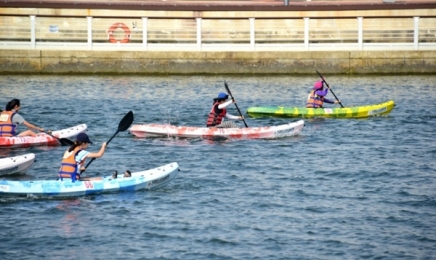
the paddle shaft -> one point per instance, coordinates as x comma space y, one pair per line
122, 126
331, 90
63, 141
230, 93
106, 146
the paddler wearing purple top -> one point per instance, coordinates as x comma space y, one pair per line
317, 98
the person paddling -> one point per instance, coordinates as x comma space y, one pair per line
317, 98
10, 119
219, 111
74, 158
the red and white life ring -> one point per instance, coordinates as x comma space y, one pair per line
115, 26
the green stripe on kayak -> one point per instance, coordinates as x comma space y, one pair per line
346, 112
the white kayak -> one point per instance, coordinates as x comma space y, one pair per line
155, 130
42, 138
148, 179
16, 164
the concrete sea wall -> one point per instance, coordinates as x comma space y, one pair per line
144, 63
331, 21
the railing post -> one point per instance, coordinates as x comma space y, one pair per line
416, 34
89, 19
286, 2
144, 33
306, 33
360, 33
252, 35
32, 32
198, 20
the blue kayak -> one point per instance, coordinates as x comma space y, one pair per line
143, 180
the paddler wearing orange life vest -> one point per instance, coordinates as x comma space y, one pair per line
74, 158
10, 119
317, 98
218, 112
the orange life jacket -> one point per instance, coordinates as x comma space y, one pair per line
215, 118
7, 128
69, 167
314, 101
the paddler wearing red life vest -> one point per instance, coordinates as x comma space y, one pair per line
218, 112
317, 98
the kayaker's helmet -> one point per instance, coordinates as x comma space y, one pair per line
82, 137
222, 96
318, 85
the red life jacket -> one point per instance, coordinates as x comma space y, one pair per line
215, 118
69, 167
7, 128
314, 101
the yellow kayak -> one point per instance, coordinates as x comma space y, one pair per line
346, 112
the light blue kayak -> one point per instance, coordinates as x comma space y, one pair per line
149, 179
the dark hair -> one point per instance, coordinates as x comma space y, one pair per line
76, 143
11, 104
218, 100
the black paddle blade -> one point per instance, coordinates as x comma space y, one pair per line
126, 122
65, 142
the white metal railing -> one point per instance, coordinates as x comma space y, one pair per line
227, 34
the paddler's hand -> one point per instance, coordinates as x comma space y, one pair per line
337, 102
241, 118
103, 147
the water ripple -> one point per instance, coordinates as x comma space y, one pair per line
343, 189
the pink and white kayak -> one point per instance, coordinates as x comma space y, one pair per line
41, 138
167, 130
16, 164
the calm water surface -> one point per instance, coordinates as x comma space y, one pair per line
343, 189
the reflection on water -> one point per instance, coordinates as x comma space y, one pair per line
69, 222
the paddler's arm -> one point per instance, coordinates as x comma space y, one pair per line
225, 104
331, 101
229, 116
99, 153
32, 126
